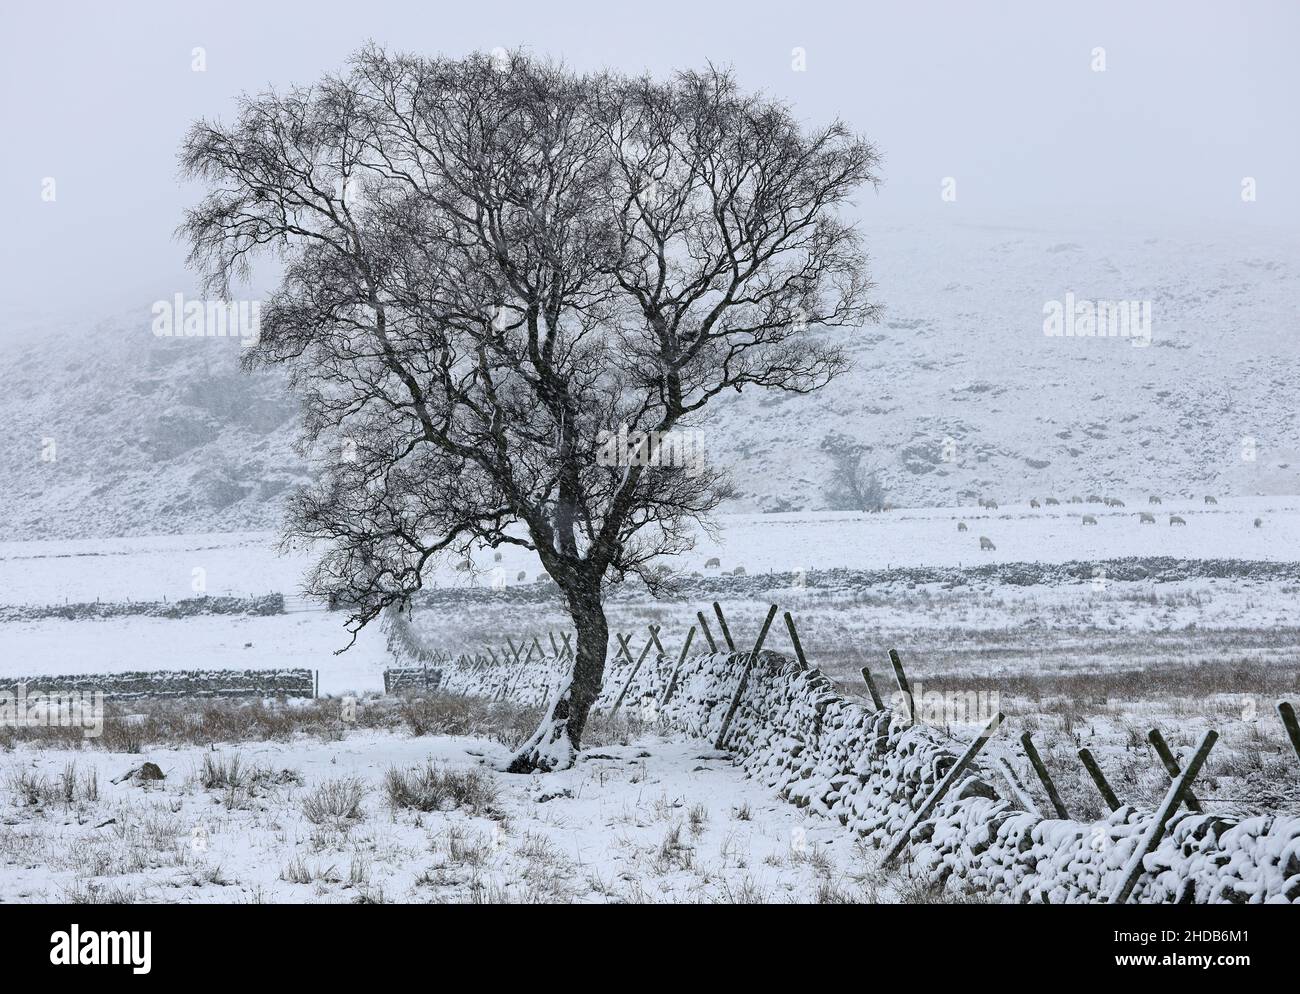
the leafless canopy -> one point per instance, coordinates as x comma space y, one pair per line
490, 263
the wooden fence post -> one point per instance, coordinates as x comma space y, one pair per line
942, 788
1017, 788
568, 647
722, 625
1036, 761
871, 689
794, 638
1170, 764
512, 679
1287, 713
708, 635
672, 677
623, 649
1099, 778
555, 646
904, 687
654, 638
744, 679
630, 677
1151, 840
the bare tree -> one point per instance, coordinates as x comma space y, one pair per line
490, 267
853, 485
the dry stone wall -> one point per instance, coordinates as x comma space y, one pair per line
838, 758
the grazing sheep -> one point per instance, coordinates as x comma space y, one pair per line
1034, 503
1052, 501
1259, 522
986, 544
961, 526
992, 505
1176, 520
464, 566
522, 576
1153, 499
1210, 500
1116, 502
1076, 500
738, 571
1093, 499
1146, 519
496, 557
714, 563
1088, 519
983, 502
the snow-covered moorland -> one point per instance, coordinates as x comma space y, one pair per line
380, 815
1192, 627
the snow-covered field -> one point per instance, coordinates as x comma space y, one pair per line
114, 645
1093, 662
651, 821
154, 567
997, 627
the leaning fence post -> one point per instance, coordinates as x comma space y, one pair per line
871, 689
904, 687
672, 677
708, 635
1287, 713
722, 625
1036, 761
942, 788
1151, 840
630, 677
1099, 778
1017, 788
654, 638
1170, 764
568, 647
555, 646
623, 649
744, 678
794, 637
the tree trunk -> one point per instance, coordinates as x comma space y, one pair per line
555, 744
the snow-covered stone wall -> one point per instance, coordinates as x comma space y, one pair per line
837, 758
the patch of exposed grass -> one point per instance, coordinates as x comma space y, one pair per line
433, 788
334, 802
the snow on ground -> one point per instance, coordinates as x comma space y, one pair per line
147, 569
929, 536
309, 639
1072, 619
155, 567
654, 820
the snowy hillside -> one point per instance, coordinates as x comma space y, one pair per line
961, 354
112, 431
157, 435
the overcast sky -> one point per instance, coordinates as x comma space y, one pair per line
1002, 97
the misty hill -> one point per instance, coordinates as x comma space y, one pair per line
157, 435
961, 354
147, 435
